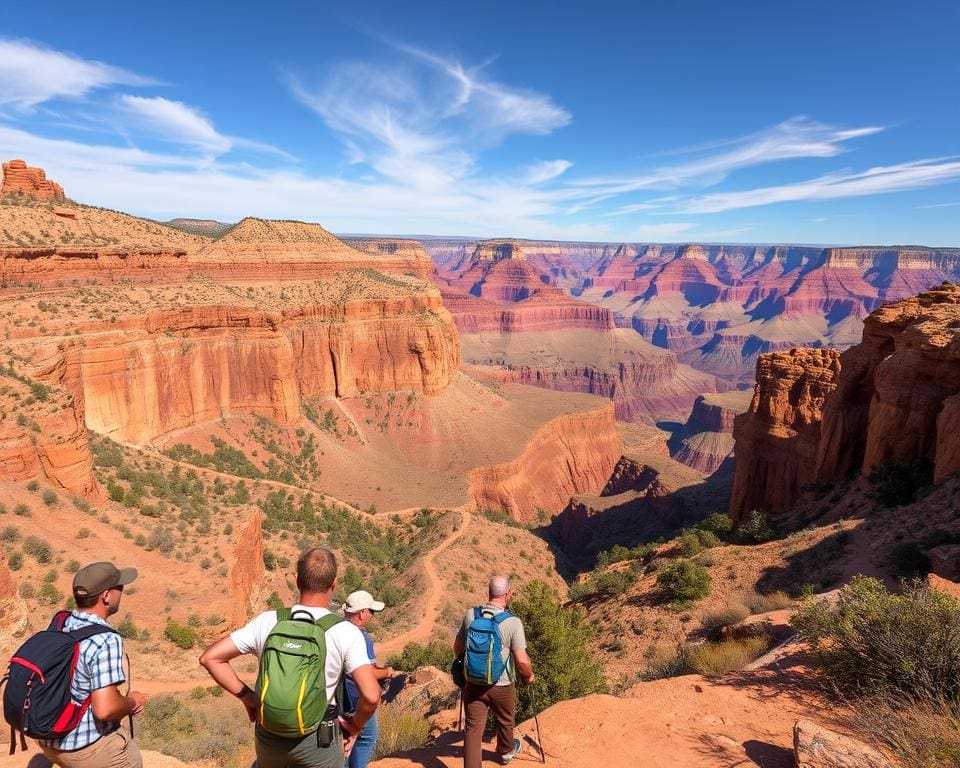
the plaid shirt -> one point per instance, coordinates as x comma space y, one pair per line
100, 664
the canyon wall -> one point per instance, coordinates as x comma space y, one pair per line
246, 571
573, 453
705, 442
818, 416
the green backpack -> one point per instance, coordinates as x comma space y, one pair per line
291, 683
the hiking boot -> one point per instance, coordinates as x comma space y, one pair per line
506, 758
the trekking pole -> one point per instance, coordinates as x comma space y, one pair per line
460, 712
129, 686
536, 720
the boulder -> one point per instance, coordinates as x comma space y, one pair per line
817, 747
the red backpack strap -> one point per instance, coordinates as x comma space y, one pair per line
58, 620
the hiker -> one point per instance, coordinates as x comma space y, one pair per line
99, 740
359, 609
497, 690
304, 653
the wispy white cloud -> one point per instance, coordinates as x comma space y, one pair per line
940, 205
875, 181
31, 74
538, 173
423, 122
177, 122
796, 138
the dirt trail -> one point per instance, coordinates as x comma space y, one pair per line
420, 633
424, 629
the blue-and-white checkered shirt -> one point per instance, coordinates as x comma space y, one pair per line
100, 664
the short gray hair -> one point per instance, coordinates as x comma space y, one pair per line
499, 586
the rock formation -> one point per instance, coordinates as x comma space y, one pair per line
778, 438
574, 453
817, 747
705, 442
20, 179
818, 416
246, 572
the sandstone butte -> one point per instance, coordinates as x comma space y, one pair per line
31, 182
819, 415
717, 307
705, 442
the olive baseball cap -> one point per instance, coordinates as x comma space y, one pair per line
98, 577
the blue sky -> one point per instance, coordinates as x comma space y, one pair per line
815, 122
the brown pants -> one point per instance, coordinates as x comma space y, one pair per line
115, 750
502, 699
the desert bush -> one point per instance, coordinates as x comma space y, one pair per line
180, 635
714, 621
755, 528
689, 544
717, 523
50, 595
400, 729
873, 641
893, 484
38, 549
33, 485
605, 584
909, 560
619, 553
775, 601
128, 629
9, 534
437, 654
684, 581
49, 497
15, 561
211, 729
726, 655
923, 734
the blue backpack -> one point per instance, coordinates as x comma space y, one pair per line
483, 660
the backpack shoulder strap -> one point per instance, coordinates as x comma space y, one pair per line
58, 620
327, 622
501, 617
91, 630
284, 614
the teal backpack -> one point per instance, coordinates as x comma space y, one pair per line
483, 661
291, 682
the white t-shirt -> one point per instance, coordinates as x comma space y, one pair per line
346, 649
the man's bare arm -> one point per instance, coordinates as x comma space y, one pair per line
216, 660
109, 704
521, 660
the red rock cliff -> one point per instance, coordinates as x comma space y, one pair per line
574, 453
18, 178
777, 439
818, 416
246, 572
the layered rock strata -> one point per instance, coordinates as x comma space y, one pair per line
818, 416
574, 453
19, 178
705, 442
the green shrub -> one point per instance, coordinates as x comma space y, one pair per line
33, 485
604, 584
50, 595
400, 729
874, 641
180, 635
909, 560
893, 484
689, 544
437, 654
128, 629
718, 524
49, 497
755, 528
9, 534
116, 492
775, 601
558, 643
209, 730
15, 561
22, 510
684, 581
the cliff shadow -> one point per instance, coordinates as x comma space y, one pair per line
820, 565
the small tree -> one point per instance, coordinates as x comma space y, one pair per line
557, 640
684, 581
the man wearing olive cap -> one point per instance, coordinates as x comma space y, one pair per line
359, 609
98, 741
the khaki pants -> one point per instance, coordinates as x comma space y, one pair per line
502, 699
115, 750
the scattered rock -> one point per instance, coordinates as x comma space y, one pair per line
945, 561
816, 747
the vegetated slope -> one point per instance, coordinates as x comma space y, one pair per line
719, 306
885, 405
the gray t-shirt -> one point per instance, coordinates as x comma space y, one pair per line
512, 638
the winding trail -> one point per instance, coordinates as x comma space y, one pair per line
421, 633
424, 628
